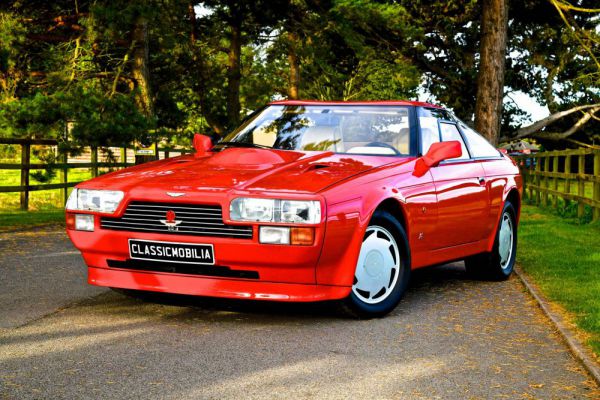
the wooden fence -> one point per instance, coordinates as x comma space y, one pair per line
63, 165
568, 174
547, 176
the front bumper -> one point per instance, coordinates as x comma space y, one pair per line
323, 271
214, 287
285, 273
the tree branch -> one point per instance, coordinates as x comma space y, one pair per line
542, 123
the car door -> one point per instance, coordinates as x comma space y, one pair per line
461, 190
494, 166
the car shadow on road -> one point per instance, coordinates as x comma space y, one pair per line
434, 279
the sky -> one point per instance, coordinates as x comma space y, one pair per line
527, 103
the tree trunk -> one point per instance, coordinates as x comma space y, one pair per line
490, 81
294, 61
140, 70
141, 75
234, 73
193, 25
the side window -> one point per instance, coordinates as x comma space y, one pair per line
430, 131
449, 132
480, 148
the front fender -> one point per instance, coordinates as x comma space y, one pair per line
350, 209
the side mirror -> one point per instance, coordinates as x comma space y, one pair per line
202, 144
437, 153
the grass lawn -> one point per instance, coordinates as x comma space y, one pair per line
16, 219
563, 258
38, 200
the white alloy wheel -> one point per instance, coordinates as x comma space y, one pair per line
505, 241
378, 266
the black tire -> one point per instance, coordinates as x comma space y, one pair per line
353, 306
488, 266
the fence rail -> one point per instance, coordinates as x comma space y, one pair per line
25, 166
552, 175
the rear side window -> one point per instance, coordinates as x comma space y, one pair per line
450, 132
480, 148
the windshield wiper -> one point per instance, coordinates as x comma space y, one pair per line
243, 144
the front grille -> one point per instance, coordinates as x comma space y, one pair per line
197, 220
183, 268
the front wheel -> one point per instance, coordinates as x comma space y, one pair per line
382, 271
500, 262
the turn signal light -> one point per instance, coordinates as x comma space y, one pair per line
302, 236
70, 220
80, 222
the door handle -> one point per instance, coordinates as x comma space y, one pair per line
481, 180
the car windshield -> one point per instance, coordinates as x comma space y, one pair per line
376, 130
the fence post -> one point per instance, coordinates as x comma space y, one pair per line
124, 155
538, 180
64, 177
596, 215
567, 180
25, 161
555, 186
523, 171
546, 181
530, 177
581, 184
94, 158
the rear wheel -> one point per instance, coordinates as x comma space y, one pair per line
500, 262
382, 271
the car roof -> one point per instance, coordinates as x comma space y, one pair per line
354, 103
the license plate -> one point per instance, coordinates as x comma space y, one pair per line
171, 252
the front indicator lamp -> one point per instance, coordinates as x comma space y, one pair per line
286, 235
80, 222
302, 236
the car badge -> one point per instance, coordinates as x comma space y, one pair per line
170, 221
175, 194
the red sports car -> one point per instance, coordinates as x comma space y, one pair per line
306, 201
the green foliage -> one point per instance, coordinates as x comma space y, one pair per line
12, 36
100, 120
76, 61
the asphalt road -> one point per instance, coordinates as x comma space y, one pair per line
451, 338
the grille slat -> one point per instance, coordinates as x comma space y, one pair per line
197, 220
155, 211
160, 211
191, 220
175, 207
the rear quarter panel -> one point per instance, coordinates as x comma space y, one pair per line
502, 177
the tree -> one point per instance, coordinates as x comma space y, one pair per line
158, 67
545, 61
490, 80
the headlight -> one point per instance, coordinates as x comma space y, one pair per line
105, 201
275, 210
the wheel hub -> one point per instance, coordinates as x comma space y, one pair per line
505, 241
374, 263
378, 266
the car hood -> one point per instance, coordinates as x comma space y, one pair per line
243, 169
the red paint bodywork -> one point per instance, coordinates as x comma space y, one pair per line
448, 212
